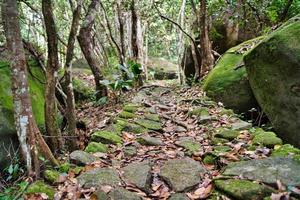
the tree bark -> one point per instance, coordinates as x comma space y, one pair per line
121, 29
28, 133
51, 77
134, 36
206, 49
85, 42
70, 106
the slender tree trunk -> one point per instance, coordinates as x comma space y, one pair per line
121, 29
70, 106
29, 135
51, 77
134, 39
206, 49
85, 42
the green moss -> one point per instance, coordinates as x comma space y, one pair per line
228, 134
152, 125
218, 141
228, 82
286, 150
190, 146
221, 149
243, 189
64, 168
82, 91
94, 147
135, 128
131, 108
51, 175
199, 112
153, 117
77, 170
106, 137
268, 139
127, 115
227, 112
209, 159
41, 187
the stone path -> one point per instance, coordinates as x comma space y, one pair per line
177, 144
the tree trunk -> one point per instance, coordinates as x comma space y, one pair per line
121, 29
51, 77
206, 49
70, 106
134, 36
28, 134
85, 42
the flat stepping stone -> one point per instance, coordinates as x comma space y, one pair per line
228, 134
268, 139
190, 145
152, 117
178, 196
182, 174
94, 147
268, 170
131, 108
149, 124
130, 151
106, 137
99, 177
149, 141
82, 158
241, 125
123, 194
127, 115
243, 189
139, 174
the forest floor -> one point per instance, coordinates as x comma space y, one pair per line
171, 142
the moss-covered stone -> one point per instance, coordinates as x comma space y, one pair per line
286, 150
149, 141
209, 159
82, 91
51, 175
130, 151
152, 125
135, 128
221, 149
131, 107
218, 141
79, 157
199, 112
228, 112
268, 139
94, 147
243, 189
106, 137
153, 117
127, 115
190, 146
40, 187
273, 69
228, 81
227, 134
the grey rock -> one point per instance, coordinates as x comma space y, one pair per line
182, 174
130, 151
178, 196
123, 194
268, 170
99, 177
82, 157
139, 174
149, 141
241, 125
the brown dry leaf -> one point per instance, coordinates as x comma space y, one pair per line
232, 157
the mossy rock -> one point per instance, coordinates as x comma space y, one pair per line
106, 137
273, 69
228, 112
130, 151
51, 175
39, 187
199, 112
135, 128
218, 141
190, 146
227, 134
149, 141
243, 189
149, 124
131, 108
82, 92
268, 139
221, 149
228, 81
286, 150
36, 80
64, 168
209, 159
153, 117
94, 147
127, 115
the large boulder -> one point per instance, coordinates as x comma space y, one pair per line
274, 70
8, 136
228, 81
